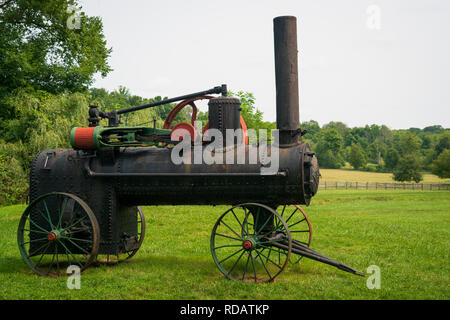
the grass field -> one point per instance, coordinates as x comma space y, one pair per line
405, 233
347, 175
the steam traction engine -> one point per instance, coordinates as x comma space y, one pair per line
85, 200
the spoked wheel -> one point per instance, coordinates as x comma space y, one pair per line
300, 227
241, 243
140, 235
58, 230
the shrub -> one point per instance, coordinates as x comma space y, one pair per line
441, 166
13, 180
408, 169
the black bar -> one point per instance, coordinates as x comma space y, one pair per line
176, 174
220, 89
286, 79
311, 254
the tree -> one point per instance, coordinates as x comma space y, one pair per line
407, 143
357, 158
329, 149
253, 117
441, 166
373, 153
385, 135
444, 143
434, 129
391, 159
339, 126
408, 169
312, 129
426, 142
39, 50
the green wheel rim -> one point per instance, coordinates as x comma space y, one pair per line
299, 226
241, 243
120, 257
55, 231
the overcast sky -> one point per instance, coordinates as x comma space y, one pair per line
361, 62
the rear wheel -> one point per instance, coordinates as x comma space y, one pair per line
55, 231
300, 227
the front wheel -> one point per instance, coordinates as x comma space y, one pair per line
242, 243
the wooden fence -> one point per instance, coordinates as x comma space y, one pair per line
383, 186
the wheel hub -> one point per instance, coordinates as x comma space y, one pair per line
53, 235
247, 245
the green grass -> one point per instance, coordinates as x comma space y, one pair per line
405, 233
348, 175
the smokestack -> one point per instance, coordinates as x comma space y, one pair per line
286, 78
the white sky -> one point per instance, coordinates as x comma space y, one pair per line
398, 75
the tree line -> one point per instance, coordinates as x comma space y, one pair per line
405, 153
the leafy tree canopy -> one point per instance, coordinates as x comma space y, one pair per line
42, 48
444, 142
357, 158
391, 158
441, 166
408, 169
329, 147
407, 142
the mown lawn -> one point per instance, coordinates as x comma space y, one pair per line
405, 233
347, 175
